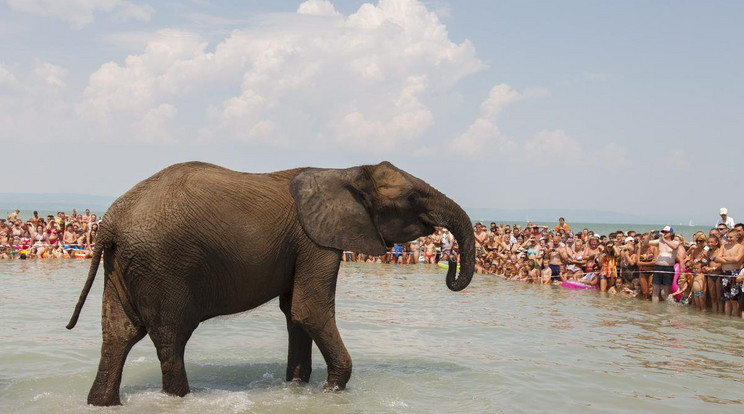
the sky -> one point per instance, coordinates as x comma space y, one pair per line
635, 107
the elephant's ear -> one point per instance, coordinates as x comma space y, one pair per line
334, 209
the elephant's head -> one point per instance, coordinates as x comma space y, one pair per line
369, 208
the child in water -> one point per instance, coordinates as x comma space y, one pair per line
684, 288
698, 285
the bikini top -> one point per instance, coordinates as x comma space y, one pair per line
646, 257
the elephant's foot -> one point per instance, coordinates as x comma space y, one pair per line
102, 397
337, 379
176, 388
332, 387
299, 373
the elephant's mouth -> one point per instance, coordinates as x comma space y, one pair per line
428, 226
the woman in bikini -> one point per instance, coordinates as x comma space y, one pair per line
52, 238
576, 261
712, 270
697, 252
492, 244
646, 260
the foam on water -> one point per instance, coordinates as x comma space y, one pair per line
417, 347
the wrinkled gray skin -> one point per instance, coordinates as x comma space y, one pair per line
196, 241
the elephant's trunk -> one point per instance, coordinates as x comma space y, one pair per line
458, 223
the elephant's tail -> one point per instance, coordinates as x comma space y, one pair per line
95, 261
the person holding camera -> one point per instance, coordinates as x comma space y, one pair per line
629, 260
663, 270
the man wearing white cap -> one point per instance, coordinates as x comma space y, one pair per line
725, 218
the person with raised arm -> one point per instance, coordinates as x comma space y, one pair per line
663, 271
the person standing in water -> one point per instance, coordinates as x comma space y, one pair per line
663, 271
731, 257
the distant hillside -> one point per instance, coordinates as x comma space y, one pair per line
54, 202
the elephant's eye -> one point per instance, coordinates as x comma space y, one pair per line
413, 198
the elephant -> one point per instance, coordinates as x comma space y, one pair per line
165, 271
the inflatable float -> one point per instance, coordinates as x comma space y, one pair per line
675, 285
572, 284
445, 264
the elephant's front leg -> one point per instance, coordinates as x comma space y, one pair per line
313, 307
299, 355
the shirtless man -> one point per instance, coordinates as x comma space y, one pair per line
731, 257
437, 239
592, 250
740, 228
35, 219
556, 256
13, 216
480, 239
81, 237
664, 265
69, 238
430, 251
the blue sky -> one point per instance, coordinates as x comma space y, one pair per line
631, 106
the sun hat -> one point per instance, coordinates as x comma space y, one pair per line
667, 229
629, 239
723, 210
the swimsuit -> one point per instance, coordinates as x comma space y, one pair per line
646, 257
629, 273
555, 270
730, 288
663, 275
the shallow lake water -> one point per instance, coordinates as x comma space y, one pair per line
497, 346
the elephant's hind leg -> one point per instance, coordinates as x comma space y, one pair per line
170, 343
299, 358
119, 336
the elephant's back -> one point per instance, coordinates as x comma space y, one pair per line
197, 205
197, 187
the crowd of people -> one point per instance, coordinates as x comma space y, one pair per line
707, 272
60, 236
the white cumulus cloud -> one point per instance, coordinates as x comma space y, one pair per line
317, 8
483, 135
297, 79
